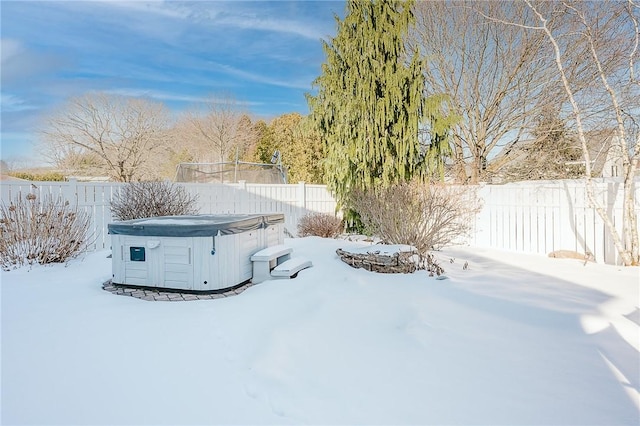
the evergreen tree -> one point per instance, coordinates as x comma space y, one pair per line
306, 154
554, 152
299, 145
369, 102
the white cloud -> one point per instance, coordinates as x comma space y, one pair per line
154, 94
259, 78
228, 14
12, 103
167, 96
280, 25
159, 8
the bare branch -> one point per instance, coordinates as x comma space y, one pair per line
151, 199
602, 33
630, 6
495, 76
217, 131
102, 134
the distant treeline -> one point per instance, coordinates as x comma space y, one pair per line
41, 177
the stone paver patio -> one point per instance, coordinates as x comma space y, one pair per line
169, 296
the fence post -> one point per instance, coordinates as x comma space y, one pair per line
302, 195
242, 198
71, 191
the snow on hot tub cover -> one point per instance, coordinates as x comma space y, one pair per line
195, 226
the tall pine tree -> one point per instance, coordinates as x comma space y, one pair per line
369, 102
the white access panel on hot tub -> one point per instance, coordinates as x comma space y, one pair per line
168, 262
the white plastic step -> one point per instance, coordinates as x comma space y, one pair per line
267, 259
291, 267
271, 253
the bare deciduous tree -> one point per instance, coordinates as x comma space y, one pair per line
113, 135
216, 132
494, 75
598, 39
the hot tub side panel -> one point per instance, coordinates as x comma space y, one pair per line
272, 235
231, 263
179, 260
165, 262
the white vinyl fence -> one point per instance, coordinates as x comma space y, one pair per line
531, 217
544, 216
295, 201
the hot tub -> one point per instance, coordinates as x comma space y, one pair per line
198, 253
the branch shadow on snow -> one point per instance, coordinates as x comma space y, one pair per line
548, 302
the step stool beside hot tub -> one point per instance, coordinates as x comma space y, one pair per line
196, 253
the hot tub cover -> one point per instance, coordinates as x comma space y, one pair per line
195, 226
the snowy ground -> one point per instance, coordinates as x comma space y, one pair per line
514, 339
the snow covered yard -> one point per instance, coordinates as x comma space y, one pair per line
514, 339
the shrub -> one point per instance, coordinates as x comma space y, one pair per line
425, 216
41, 177
47, 231
150, 199
320, 225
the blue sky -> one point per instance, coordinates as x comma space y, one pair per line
264, 53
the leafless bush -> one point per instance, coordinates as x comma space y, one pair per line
425, 216
151, 199
47, 231
321, 225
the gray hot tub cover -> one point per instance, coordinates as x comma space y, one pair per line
195, 226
